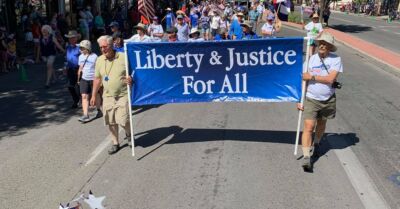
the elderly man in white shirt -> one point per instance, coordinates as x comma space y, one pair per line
140, 36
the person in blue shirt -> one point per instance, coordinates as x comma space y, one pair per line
235, 31
118, 42
194, 19
247, 32
169, 19
72, 66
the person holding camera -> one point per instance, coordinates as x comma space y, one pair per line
320, 102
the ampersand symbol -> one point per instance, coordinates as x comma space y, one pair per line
214, 60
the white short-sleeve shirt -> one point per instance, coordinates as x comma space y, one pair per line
321, 91
268, 28
313, 29
89, 66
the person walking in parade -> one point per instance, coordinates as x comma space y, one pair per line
87, 61
111, 73
72, 66
48, 44
183, 29
141, 34
320, 102
268, 29
314, 30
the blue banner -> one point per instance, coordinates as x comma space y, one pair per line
265, 70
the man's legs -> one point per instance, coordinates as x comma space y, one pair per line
306, 141
114, 134
319, 130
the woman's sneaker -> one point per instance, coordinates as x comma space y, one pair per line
84, 119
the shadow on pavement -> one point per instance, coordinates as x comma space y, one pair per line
28, 105
351, 28
154, 136
335, 141
139, 109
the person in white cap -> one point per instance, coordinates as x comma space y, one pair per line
314, 30
169, 19
87, 61
156, 30
140, 36
269, 29
183, 29
195, 35
324, 68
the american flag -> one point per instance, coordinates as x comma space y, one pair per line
146, 8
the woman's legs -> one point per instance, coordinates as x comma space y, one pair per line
85, 104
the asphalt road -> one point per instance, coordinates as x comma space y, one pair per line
204, 155
377, 31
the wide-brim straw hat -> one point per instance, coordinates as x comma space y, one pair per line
193, 31
72, 34
328, 38
86, 45
245, 24
140, 26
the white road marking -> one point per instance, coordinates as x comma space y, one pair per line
361, 181
100, 148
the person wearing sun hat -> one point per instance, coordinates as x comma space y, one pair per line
169, 19
324, 68
72, 65
314, 29
87, 61
141, 34
247, 32
195, 35
183, 28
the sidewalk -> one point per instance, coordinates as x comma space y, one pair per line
376, 52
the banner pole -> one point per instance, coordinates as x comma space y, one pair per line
129, 101
303, 95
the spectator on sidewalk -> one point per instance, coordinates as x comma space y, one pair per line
111, 73
48, 45
118, 42
215, 24
36, 37
87, 61
114, 27
169, 19
268, 30
314, 30
195, 35
253, 17
205, 25
247, 32
183, 29
99, 25
72, 66
172, 34
11, 52
326, 14
155, 30
320, 103
3, 50
141, 34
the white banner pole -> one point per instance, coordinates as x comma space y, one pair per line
129, 101
303, 95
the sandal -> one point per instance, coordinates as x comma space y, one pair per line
114, 149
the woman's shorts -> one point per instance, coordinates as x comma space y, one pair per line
205, 30
314, 109
85, 86
49, 59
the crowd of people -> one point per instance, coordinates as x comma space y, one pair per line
100, 81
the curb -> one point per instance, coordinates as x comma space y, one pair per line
382, 55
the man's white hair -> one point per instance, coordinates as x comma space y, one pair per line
48, 29
106, 38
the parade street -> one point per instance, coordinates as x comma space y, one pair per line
369, 28
206, 155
